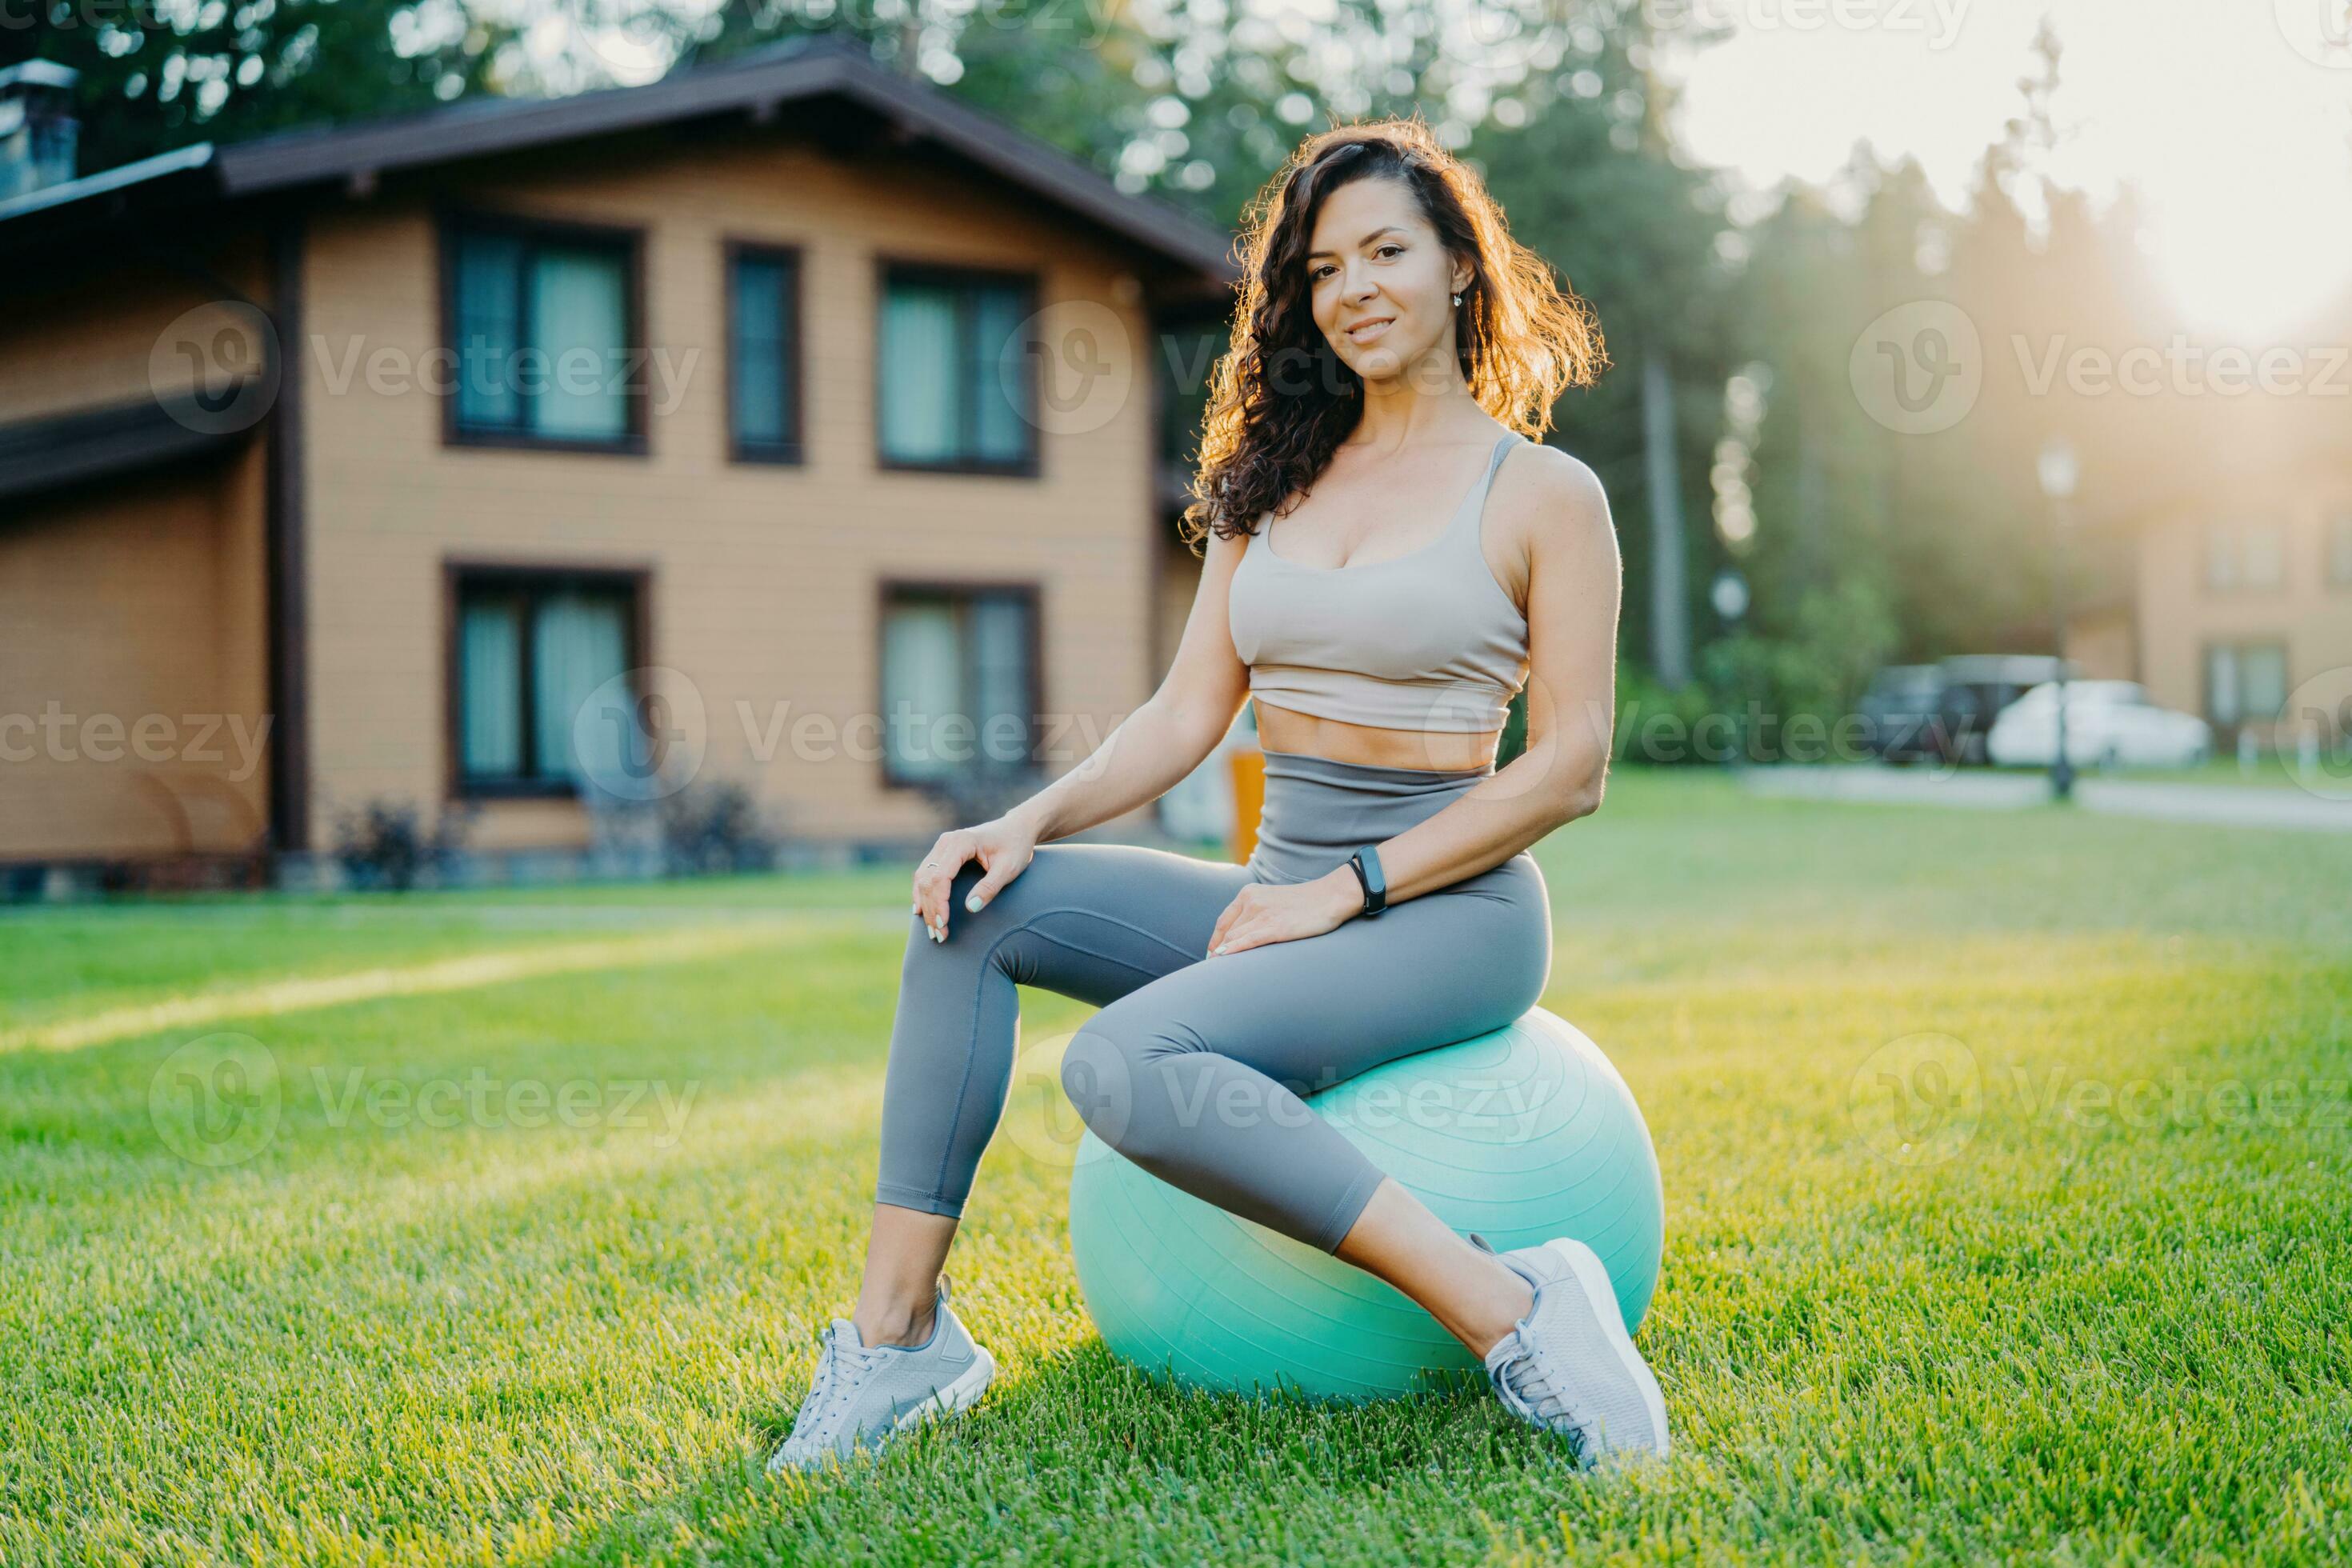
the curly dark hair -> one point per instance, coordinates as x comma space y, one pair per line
1522, 338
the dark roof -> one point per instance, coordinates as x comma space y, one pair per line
810, 70
38, 455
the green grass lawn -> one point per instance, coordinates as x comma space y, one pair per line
383, 1306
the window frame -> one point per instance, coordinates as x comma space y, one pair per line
2240, 584
1028, 284
450, 224
888, 589
793, 451
2211, 529
534, 580
2207, 647
2334, 521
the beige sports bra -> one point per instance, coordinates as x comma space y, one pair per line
1428, 641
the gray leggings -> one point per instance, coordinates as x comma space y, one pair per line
1195, 1066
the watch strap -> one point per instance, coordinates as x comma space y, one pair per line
1366, 863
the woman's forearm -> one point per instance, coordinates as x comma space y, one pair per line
1153, 749
1545, 786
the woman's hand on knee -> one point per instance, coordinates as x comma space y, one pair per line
1264, 913
1002, 848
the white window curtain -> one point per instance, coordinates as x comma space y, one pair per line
2262, 680
2222, 685
922, 685
2266, 554
2221, 556
580, 322
1000, 639
918, 374
490, 329
490, 689
1001, 375
580, 642
761, 415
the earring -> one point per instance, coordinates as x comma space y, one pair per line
1457, 299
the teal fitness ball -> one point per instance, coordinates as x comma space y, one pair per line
1520, 1135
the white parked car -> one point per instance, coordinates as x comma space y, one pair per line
2109, 723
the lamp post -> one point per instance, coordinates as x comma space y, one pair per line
2056, 470
1728, 594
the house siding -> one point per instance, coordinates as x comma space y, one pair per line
138, 602
2181, 616
762, 580
132, 599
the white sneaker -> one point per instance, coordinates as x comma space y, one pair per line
862, 1395
1569, 1366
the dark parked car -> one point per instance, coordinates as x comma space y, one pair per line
1899, 713
1976, 687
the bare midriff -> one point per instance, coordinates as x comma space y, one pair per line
1281, 729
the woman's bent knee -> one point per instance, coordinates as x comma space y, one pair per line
973, 936
1146, 1094
1123, 1087
1045, 884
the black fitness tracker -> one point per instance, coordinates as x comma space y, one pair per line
1366, 863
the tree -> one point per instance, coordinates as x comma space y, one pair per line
1590, 180
155, 79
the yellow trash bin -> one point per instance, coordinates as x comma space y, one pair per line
1249, 799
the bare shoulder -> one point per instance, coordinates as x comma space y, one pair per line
1556, 505
1560, 493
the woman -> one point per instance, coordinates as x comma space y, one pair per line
1388, 562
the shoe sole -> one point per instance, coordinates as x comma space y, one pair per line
1593, 1276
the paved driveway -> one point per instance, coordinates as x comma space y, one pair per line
2249, 806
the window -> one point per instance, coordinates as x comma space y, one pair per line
763, 379
528, 648
2263, 555
2245, 555
2244, 682
956, 385
2220, 558
2339, 550
543, 322
959, 680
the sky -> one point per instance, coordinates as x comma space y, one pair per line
2233, 117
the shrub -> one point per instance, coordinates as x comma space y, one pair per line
976, 795
383, 845
715, 826
1750, 686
